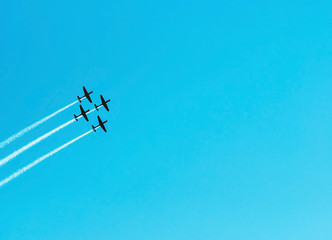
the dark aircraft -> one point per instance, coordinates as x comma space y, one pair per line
83, 113
86, 95
103, 103
101, 124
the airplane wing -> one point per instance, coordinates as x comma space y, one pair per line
101, 123
99, 120
106, 107
83, 113
85, 91
85, 116
87, 94
104, 102
89, 98
103, 127
81, 109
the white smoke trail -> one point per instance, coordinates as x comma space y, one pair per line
27, 129
34, 142
91, 111
26, 168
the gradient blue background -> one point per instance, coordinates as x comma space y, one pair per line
220, 122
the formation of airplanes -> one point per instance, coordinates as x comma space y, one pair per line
83, 113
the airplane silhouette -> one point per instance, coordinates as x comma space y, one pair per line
103, 103
101, 124
86, 95
83, 113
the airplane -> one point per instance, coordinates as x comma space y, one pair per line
101, 124
83, 113
86, 95
103, 103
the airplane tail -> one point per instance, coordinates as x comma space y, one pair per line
79, 99
96, 107
75, 117
94, 128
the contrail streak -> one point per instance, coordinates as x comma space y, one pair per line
27, 129
27, 167
34, 142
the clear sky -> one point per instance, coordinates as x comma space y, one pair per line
220, 124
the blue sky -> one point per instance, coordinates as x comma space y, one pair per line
220, 124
